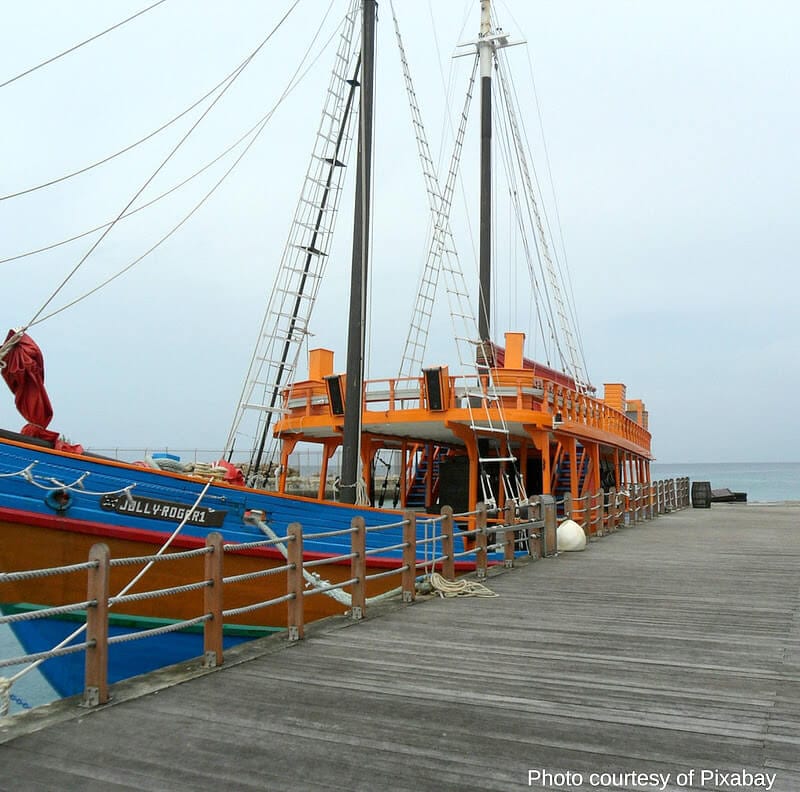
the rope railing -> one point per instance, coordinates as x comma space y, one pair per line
371, 528
33, 574
257, 606
134, 560
30, 658
156, 593
163, 630
603, 512
528, 528
46, 613
327, 534
233, 547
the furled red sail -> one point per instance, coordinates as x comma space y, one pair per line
24, 374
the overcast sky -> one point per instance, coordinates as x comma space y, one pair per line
672, 131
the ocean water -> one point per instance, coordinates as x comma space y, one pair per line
764, 482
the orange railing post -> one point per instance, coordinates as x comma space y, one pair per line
96, 681
294, 582
212, 602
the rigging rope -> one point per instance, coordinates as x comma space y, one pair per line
169, 156
81, 44
127, 148
291, 85
264, 118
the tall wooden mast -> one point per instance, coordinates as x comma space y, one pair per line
358, 278
486, 51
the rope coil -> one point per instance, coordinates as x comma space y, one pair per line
459, 588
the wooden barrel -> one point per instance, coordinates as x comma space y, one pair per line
701, 494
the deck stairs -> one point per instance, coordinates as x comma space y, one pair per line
561, 476
415, 494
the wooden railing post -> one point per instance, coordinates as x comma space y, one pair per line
549, 533
600, 511
212, 602
637, 494
480, 542
409, 555
612, 510
535, 513
294, 582
509, 535
448, 543
358, 568
569, 507
96, 683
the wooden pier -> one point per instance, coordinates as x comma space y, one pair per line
670, 647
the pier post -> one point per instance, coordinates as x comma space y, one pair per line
549, 533
509, 535
448, 543
535, 513
358, 569
96, 681
600, 503
409, 555
568, 506
600, 511
480, 541
294, 582
212, 602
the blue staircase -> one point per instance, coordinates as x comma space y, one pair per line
415, 498
562, 479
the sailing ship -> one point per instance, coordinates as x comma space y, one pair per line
500, 427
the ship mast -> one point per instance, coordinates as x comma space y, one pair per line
351, 440
486, 52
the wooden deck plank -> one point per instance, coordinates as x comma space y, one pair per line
667, 646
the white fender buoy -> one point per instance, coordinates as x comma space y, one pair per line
570, 536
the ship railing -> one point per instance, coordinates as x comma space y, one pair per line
513, 390
584, 409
